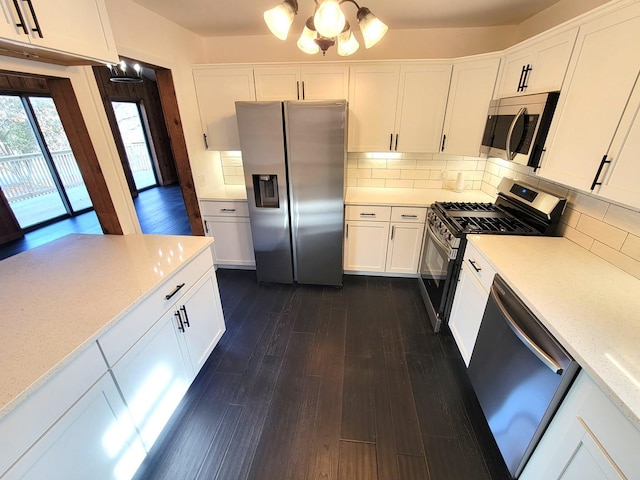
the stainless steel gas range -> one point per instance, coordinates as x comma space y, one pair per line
519, 209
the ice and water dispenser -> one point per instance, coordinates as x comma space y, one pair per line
266, 191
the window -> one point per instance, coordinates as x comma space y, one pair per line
39, 174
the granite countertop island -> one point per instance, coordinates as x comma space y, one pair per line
60, 297
589, 305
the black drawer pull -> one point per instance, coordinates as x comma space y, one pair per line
174, 291
367, 214
186, 317
475, 265
227, 209
180, 324
409, 216
22, 23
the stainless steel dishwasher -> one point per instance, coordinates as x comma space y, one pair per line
520, 374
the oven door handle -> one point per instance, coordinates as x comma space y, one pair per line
511, 155
523, 337
439, 242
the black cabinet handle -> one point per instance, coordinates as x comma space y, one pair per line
22, 23
444, 141
206, 144
475, 265
206, 228
180, 324
397, 135
524, 76
298, 90
603, 162
393, 231
521, 81
303, 95
390, 140
346, 233
186, 317
227, 209
35, 18
173, 292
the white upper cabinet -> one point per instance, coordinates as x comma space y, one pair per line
470, 92
538, 66
60, 30
301, 83
397, 108
218, 89
597, 112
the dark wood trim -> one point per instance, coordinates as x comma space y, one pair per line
61, 90
179, 148
9, 227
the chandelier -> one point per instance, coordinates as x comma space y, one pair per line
326, 27
121, 73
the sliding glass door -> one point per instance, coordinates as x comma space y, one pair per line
38, 172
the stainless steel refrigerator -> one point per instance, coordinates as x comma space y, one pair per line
294, 158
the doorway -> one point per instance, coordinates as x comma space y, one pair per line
39, 175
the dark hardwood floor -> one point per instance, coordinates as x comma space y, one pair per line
325, 383
160, 210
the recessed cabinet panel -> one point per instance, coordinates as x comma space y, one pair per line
403, 251
95, 439
218, 90
277, 84
324, 83
233, 242
366, 246
600, 80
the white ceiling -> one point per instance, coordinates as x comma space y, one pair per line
244, 17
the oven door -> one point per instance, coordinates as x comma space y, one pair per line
437, 268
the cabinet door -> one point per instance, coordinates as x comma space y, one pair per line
547, 58
601, 75
233, 243
279, 83
422, 101
373, 95
620, 180
324, 83
470, 93
153, 378
77, 26
8, 21
405, 244
200, 311
94, 439
467, 311
366, 246
217, 91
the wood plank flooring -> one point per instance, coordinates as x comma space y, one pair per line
323, 383
160, 210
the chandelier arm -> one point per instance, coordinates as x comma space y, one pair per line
350, 1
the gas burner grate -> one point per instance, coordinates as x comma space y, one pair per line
467, 206
493, 225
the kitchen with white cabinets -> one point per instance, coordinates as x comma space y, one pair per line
406, 150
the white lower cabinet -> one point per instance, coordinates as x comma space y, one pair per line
470, 300
383, 239
589, 438
94, 439
228, 223
153, 377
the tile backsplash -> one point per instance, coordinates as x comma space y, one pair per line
606, 229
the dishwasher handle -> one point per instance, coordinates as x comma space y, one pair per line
522, 336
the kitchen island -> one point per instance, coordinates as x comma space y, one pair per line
84, 305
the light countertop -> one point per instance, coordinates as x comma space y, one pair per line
415, 197
60, 297
225, 193
589, 305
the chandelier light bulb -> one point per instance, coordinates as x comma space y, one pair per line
371, 27
347, 43
329, 19
307, 42
280, 18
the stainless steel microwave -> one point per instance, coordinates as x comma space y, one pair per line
517, 127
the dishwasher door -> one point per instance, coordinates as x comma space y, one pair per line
519, 373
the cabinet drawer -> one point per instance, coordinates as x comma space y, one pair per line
224, 209
368, 213
408, 214
121, 337
40, 410
479, 267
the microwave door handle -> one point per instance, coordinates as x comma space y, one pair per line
511, 155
